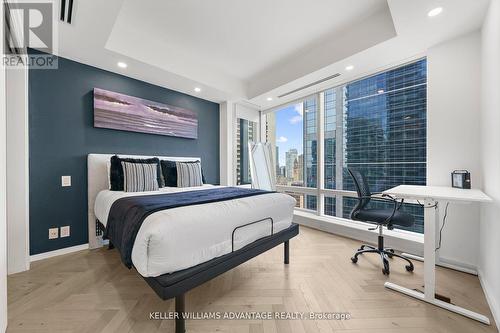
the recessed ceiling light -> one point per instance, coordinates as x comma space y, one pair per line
269, 99
349, 68
435, 12
121, 64
197, 89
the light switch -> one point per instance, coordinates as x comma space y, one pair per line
65, 181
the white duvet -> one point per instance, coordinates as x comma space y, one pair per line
179, 238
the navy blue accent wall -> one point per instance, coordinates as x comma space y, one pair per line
61, 134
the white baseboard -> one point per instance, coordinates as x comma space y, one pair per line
490, 298
458, 265
399, 240
59, 252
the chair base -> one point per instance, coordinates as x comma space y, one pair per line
385, 255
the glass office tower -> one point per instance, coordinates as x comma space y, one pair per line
376, 125
384, 134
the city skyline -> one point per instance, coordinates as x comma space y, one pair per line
289, 130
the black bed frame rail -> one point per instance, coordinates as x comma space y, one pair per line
177, 284
204, 272
254, 222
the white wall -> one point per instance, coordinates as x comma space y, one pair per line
17, 169
226, 120
246, 112
3, 209
453, 137
489, 267
3, 197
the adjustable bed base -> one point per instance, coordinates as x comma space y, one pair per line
177, 284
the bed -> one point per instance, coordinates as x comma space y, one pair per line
170, 249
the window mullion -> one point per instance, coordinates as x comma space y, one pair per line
339, 148
320, 130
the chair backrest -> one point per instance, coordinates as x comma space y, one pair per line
362, 188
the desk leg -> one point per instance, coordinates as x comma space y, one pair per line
431, 217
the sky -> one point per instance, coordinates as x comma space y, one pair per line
289, 130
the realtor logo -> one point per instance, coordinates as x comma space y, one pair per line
28, 26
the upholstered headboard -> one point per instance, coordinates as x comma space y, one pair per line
97, 175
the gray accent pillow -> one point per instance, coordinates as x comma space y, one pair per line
139, 177
189, 174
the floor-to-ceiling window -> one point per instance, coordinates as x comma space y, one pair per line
376, 125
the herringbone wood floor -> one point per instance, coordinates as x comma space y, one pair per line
91, 291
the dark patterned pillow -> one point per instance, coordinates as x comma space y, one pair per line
140, 177
169, 170
189, 174
116, 170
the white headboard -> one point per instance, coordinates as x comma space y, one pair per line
97, 177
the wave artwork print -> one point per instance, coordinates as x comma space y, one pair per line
127, 113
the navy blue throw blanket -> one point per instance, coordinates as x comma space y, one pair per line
127, 214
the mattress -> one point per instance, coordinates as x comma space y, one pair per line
175, 239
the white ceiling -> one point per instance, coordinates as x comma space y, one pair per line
237, 38
250, 50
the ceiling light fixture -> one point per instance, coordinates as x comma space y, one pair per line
435, 12
121, 64
197, 89
269, 99
349, 68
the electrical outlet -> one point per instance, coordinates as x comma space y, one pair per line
53, 233
65, 231
65, 181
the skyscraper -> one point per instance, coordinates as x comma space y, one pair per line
376, 125
310, 159
277, 160
291, 156
299, 174
245, 133
385, 131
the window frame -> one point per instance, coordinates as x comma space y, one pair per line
243, 164
320, 191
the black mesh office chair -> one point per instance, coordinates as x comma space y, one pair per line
382, 217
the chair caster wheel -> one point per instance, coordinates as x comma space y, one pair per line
409, 268
354, 260
389, 255
385, 271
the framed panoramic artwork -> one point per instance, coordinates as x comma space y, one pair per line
127, 113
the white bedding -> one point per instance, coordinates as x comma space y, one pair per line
179, 238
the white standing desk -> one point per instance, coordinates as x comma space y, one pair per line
431, 197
